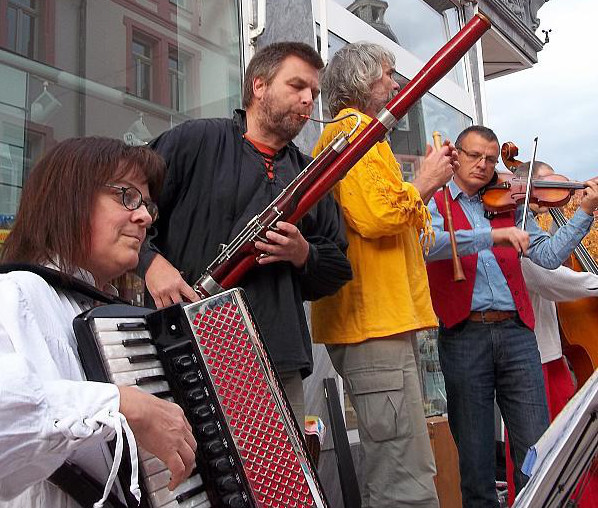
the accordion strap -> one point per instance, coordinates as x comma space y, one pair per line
84, 489
60, 280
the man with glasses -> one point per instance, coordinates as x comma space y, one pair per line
486, 341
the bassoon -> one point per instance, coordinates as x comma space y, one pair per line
331, 165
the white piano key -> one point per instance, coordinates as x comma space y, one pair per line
153, 465
120, 351
111, 324
130, 378
119, 365
157, 388
199, 501
157, 477
118, 336
158, 481
104, 325
144, 455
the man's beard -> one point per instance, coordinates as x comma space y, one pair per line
377, 102
284, 123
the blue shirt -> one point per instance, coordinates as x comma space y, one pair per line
490, 290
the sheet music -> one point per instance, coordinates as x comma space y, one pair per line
551, 454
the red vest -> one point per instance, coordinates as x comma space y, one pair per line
452, 300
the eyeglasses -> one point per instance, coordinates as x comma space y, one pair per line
132, 199
476, 157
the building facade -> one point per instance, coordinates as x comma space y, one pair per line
132, 68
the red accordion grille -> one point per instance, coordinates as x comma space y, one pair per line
271, 466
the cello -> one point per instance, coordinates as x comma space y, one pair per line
578, 320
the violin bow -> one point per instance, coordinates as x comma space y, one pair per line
529, 184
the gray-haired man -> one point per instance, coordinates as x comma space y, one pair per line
369, 325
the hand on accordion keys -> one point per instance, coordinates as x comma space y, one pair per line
160, 428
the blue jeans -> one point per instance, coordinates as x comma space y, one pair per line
480, 361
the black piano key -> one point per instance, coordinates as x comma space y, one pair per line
149, 379
149, 357
131, 327
163, 395
183, 496
138, 341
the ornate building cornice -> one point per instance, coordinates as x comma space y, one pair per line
519, 18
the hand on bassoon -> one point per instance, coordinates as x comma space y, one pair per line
284, 244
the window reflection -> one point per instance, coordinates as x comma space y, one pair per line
177, 80
116, 69
119, 68
21, 20
412, 24
142, 62
409, 138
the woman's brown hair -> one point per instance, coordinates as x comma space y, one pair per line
54, 218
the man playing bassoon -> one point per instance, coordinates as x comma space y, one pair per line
223, 172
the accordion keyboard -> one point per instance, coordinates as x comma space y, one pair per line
132, 360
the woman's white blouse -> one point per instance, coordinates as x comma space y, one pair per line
48, 412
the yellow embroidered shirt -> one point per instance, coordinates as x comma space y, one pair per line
384, 215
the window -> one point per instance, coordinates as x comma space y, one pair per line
142, 63
413, 24
176, 80
102, 67
22, 18
411, 135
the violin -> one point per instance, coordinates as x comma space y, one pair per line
506, 191
578, 320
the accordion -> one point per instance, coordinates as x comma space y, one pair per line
207, 357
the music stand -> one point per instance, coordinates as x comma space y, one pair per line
564, 453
